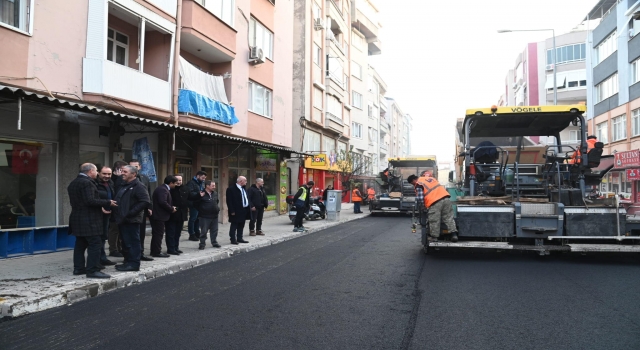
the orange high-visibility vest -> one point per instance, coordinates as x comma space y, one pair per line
433, 191
576, 158
355, 196
371, 193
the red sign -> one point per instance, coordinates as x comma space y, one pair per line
633, 174
627, 159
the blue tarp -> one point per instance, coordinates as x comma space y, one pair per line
193, 103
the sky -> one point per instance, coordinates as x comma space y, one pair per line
440, 58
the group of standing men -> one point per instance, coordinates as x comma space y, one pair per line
113, 205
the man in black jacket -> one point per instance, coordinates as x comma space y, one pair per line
179, 197
85, 221
196, 187
147, 213
163, 208
238, 206
208, 210
301, 202
115, 241
105, 190
134, 201
258, 202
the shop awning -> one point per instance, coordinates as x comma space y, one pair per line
560, 78
13, 92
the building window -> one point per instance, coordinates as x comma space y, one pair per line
317, 12
317, 98
573, 136
567, 54
335, 70
223, 9
329, 145
317, 55
635, 117
606, 47
619, 124
607, 88
357, 99
373, 136
259, 99
261, 37
16, 14
635, 71
311, 141
334, 106
369, 110
356, 70
357, 41
356, 130
602, 132
117, 47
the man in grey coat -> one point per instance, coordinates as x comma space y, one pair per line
85, 221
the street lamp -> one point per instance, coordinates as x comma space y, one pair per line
554, 57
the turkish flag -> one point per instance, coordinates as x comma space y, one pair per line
24, 159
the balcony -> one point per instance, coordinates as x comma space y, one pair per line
204, 34
384, 128
128, 55
384, 149
368, 26
333, 123
112, 79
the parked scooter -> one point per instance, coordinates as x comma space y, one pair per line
316, 210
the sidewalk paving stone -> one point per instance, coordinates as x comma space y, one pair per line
35, 283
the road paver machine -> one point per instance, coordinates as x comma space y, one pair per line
533, 197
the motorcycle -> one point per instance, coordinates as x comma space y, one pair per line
315, 210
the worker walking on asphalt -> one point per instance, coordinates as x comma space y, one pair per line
435, 198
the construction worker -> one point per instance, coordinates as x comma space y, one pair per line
591, 143
371, 194
435, 198
356, 198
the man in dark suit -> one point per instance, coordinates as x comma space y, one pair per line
147, 213
258, 202
115, 240
133, 201
85, 221
238, 206
160, 219
106, 191
179, 197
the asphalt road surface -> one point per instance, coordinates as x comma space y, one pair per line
361, 285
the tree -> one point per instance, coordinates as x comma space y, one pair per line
350, 165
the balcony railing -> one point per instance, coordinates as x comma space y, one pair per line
108, 78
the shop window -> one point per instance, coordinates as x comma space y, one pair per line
239, 165
29, 182
267, 169
209, 163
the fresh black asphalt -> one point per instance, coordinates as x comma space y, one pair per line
362, 285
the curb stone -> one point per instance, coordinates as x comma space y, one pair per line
70, 293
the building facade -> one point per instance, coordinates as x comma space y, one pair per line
531, 82
172, 83
613, 59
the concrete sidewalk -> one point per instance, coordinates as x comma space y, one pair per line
38, 282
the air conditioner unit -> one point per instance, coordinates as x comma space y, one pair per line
256, 55
549, 67
318, 24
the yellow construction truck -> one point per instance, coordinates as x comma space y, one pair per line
396, 195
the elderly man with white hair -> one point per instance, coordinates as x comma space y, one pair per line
238, 206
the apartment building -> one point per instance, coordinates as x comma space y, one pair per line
613, 58
531, 82
181, 85
613, 75
400, 125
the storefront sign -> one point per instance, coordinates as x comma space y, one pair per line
627, 159
633, 174
321, 161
